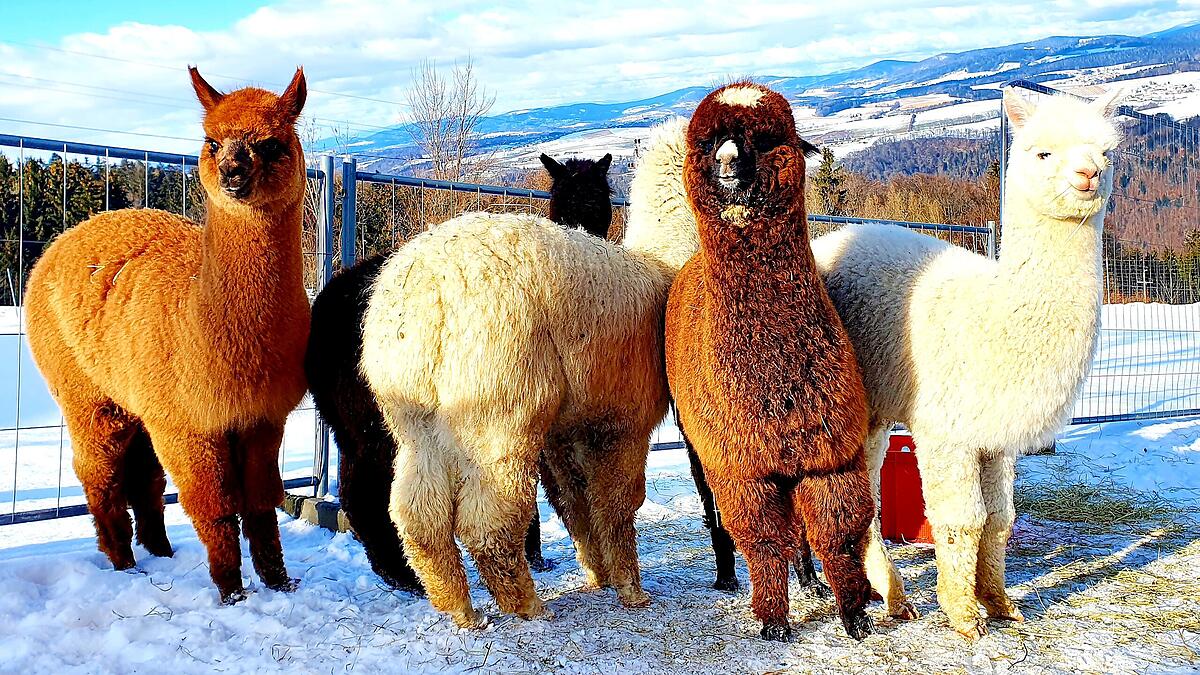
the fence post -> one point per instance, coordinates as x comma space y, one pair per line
324, 272
349, 210
1003, 157
991, 241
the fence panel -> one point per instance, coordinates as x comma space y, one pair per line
47, 186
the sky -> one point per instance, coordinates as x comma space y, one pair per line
113, 72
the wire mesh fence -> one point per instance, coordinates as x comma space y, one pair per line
47, 187
1147, 365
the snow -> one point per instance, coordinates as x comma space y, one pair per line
69, 612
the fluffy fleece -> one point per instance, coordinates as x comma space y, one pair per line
580, 197
161, 338
981, 359
493, 342
761, 370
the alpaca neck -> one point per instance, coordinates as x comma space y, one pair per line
1050, 257
251, 268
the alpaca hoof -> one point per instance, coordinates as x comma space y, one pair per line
123, 565
858, 626
776, 632
972, 630
633, 597
1011, 614
817, 588
904, 611
540, 564
538, 611
164, 552
233, 597
472, 619
286, 586
729, 585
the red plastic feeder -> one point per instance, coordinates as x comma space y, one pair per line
902, 508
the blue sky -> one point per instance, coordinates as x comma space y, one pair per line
119, 66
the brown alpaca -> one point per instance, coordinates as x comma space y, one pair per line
762, 372
152, 329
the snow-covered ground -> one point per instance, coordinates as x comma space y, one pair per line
1113, 600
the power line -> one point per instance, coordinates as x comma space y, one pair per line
107, 131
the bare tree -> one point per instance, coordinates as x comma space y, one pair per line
445, 115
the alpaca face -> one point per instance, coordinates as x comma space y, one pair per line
1061, 154
251, 154
744, 155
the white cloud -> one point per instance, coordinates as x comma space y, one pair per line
533, 53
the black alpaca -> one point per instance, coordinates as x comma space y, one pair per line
580, 195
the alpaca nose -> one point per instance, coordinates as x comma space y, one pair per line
727, 164
1085, 178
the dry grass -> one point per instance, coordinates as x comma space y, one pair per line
1100, 508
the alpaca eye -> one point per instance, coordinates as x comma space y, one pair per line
767, 143
270, 149
211, 145
707, 145
1043, 155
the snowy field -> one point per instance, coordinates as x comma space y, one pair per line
1101, 598
1102, 561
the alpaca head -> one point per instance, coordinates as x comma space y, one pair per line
1060, 159
580, 195
251, 154
745, 160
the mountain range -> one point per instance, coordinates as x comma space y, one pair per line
883, 88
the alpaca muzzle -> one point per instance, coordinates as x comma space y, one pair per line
235, 171
1086, 179
730, 167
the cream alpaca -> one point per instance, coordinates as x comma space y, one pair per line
981, 359
493, 340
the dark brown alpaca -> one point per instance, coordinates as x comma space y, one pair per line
151, 328
580, 195
761, 369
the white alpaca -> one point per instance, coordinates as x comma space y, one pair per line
493, 340
981, 359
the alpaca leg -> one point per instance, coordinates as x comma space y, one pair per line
721, 542
365, 491
257, 451
616, 489
836, 508
100, 434
954, 505
493, 515
422, 508
563, 481
996, 482
758, 516
881, 570
806, 572
145, 483
533, 544
209, 493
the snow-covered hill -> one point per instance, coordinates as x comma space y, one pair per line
946, 94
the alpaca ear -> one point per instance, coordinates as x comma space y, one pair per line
1017, 107
552, 167
1109, 102
291, 101
205, 92
809, 149
601, 166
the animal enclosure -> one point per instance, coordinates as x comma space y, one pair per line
1148, 364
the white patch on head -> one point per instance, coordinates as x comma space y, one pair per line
744, 96
727, 152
